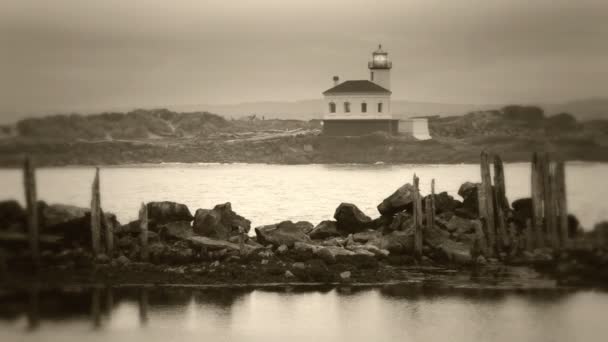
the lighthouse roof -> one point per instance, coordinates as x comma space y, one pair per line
356, 86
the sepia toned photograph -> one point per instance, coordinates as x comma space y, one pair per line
303, 170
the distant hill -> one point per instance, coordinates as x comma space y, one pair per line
583, 110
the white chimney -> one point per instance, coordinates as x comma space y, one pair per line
336, 80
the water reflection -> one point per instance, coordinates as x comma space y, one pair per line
405, 313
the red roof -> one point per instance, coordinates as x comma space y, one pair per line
356, 86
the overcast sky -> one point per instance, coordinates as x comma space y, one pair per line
66, 55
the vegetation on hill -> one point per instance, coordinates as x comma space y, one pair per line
137, 124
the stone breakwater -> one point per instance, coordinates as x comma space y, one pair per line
170, 244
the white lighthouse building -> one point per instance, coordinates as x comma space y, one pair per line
359, 107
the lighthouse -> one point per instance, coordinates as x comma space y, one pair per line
380, 68
359, 107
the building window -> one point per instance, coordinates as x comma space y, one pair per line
379, 107
363, 107
346, 107
332, 107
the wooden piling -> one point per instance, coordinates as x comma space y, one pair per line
29, 182
143, 306
538, 195
417, 213
501, 203
549, 202
143, 235
428, 206
96, 215
487, 196
433, 205
96, 307
108, 233
562, 204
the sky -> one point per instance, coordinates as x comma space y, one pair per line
83, 55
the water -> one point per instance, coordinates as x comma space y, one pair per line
268, 194
387, 314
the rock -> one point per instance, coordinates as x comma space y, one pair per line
456, 252
305, 226
350, 219
178, 230
282, 249
305, 247
468, 192
336, 242
215, 264
163, 212
460, 225
220, 222
402, 221
481, 260
365, 236
264, 262
288, 274
299, 265
123, 260
284, 233
329, 254
444, 203
12, 216
214, 244
345, 275
434, 236
401, 199
522, 211
363, 251
375, 251
265, 253
324, 230
102, 259
72, 223
397, 242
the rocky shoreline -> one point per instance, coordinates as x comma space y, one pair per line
217, 247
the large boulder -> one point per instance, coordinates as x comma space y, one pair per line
305, 226
350, 219
397, 242
330, 253
434, 236
166, 211
402, 221
324, 230
220, 222
459, 225
215, 245
73, 223
401, 199
365, 236
444, 203
284, 233
12, 216
468, 192
179, 230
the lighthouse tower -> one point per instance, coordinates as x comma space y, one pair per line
380, 68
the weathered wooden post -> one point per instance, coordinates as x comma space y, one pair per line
486, 197
33, 308
501, 202
549, 202
31, 202
96, 216
538, 194
417, 212
433, 205
108, 233
428, 207
143, 235
562, 203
